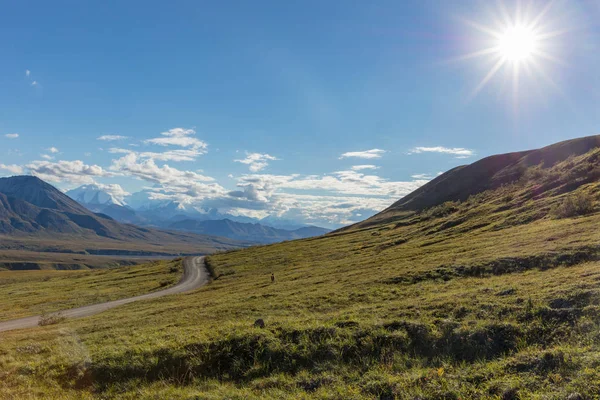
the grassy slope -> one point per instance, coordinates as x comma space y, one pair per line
26, 293
481, 299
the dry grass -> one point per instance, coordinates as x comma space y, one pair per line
26, 293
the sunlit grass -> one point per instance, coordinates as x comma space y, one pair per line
26, 293
489, 298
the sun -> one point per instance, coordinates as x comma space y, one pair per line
518, 43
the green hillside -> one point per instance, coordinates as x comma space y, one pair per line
494, 294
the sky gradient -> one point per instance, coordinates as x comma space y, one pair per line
321, 112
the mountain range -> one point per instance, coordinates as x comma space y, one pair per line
246, 231
172, 215
37, 217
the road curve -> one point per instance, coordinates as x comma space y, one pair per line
194, 276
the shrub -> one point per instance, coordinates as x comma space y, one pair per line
442, 210
210, 267
537, 174
51, 319
574, 205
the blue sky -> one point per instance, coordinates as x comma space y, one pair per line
286, 87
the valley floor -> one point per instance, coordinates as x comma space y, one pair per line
28, 293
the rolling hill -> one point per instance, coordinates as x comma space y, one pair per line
490, 173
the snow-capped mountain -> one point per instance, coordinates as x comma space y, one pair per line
144, 209
143, 200
98, 195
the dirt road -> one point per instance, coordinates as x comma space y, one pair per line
194, 276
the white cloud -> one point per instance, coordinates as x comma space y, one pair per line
133, 165
421, 176
46, 157
27, 73
34, 83
110, 138
170, 155
13, 168
460, 152
192, 147
363, 167
336, 198
87, 154
179, 137
11, 135
67, 171
367, 154
53, 150
257, 161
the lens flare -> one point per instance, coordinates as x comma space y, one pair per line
516, 43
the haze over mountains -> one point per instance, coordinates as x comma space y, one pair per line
140, 209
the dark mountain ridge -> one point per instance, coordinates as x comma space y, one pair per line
39, 193
489, 173
31, 209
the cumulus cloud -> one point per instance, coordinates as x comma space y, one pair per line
111, 138
367, 154
170, 155
179, 137
337, 198
46, 157
148, 170
459, 152
184, 187
53, 150
67, 171
11, 135
363, 167
13, 168
257, 161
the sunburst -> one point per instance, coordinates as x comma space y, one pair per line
516, 42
